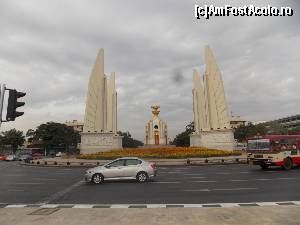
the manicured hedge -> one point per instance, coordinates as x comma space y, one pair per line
169, 153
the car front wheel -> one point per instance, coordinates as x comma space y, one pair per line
142, 177
97, 178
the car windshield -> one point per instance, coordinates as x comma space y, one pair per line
259, 144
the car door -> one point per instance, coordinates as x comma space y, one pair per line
131, 167
114, 169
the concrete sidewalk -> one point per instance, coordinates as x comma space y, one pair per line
58, 161
266, 215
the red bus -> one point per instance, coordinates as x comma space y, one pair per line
274, 150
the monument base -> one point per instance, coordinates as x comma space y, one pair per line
214, 139
99, 142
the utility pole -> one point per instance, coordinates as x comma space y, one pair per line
2, 91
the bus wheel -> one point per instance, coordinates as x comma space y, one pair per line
264, 166
287, 164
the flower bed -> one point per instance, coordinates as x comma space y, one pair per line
167, 153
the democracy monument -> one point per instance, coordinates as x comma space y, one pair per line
156, 132
100, 122
211, 116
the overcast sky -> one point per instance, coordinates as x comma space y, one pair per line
48, 48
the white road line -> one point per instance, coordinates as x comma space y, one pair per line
119, 206
219, 189
12, 175
238, 180
198, 177
266, 203
15, 206
15, 190
192, 205
192, 174
229, 205
27, 183
287, 178
263, 179
82, 206
196, 190
233, 189
49, 179
166, 182
49, 206
169, 172
61, 193
156, 206
204, 181
224, 173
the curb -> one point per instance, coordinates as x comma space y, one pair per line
149, 206
182, 162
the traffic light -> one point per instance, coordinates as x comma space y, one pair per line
13, 104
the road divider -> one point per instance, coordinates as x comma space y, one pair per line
73, 162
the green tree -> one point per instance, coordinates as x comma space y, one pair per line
183, 139
56, 135
14, 138
243, 132
128, 141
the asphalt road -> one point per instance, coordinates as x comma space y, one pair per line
173, 185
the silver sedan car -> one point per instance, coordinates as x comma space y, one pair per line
120, 169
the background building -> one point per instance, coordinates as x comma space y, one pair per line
76, 125
237, 121
290, 122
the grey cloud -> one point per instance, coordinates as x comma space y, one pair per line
47, 48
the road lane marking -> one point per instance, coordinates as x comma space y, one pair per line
61, 193
12, 175
83, 206
263, 179
233, 189
15, 206
49, 206
204, 181
193, 174
219, 189
156, 206
225, 205
198, 177
119, 206
224, 173
15, 190
192, 205
239, 180
27, 183
166, 182
287, 178
192, 190
45, 179
266, 203
169, 172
